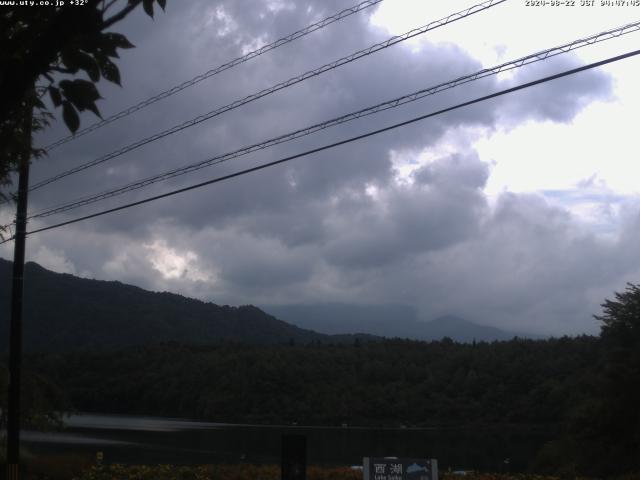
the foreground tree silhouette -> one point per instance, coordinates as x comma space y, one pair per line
43, 50
600, 434
618, 428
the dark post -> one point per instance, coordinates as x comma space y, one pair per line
294, 457
15, 337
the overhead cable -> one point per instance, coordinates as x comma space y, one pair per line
219, 69
389, 104
342, 142
288, 83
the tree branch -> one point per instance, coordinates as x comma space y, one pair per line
108, 5
121, 14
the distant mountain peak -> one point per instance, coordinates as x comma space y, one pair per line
450, 320
387, 320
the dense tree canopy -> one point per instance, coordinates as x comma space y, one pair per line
43, 51
621, 317
617, 431
395, 382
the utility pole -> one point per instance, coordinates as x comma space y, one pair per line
15, 336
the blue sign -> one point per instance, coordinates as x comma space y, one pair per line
390, 468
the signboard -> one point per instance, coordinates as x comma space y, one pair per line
389, 468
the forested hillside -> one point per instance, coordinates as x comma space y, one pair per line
389, 383
63, 312
113, 348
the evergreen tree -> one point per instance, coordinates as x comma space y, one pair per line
618, 425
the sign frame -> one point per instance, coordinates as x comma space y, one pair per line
394, 468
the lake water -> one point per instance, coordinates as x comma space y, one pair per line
131, 439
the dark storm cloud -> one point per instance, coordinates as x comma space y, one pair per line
536, 264
339, 225
559, 100
169, 51
443, 206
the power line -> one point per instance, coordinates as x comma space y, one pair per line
396, 102
288, 83
219, 69
342, 142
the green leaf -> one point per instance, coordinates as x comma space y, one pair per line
148, 7
118, 40
105, 46
69, 60
79, 91
70, 116
75, 59
38, 104
109, 50
56, 98
162, 3
88, 64
110, 71
82, 93
93, 107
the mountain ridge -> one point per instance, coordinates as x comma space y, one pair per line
63, 312
400, 321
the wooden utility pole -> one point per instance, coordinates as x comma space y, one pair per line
17, 283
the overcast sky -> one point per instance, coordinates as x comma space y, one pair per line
520, 212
